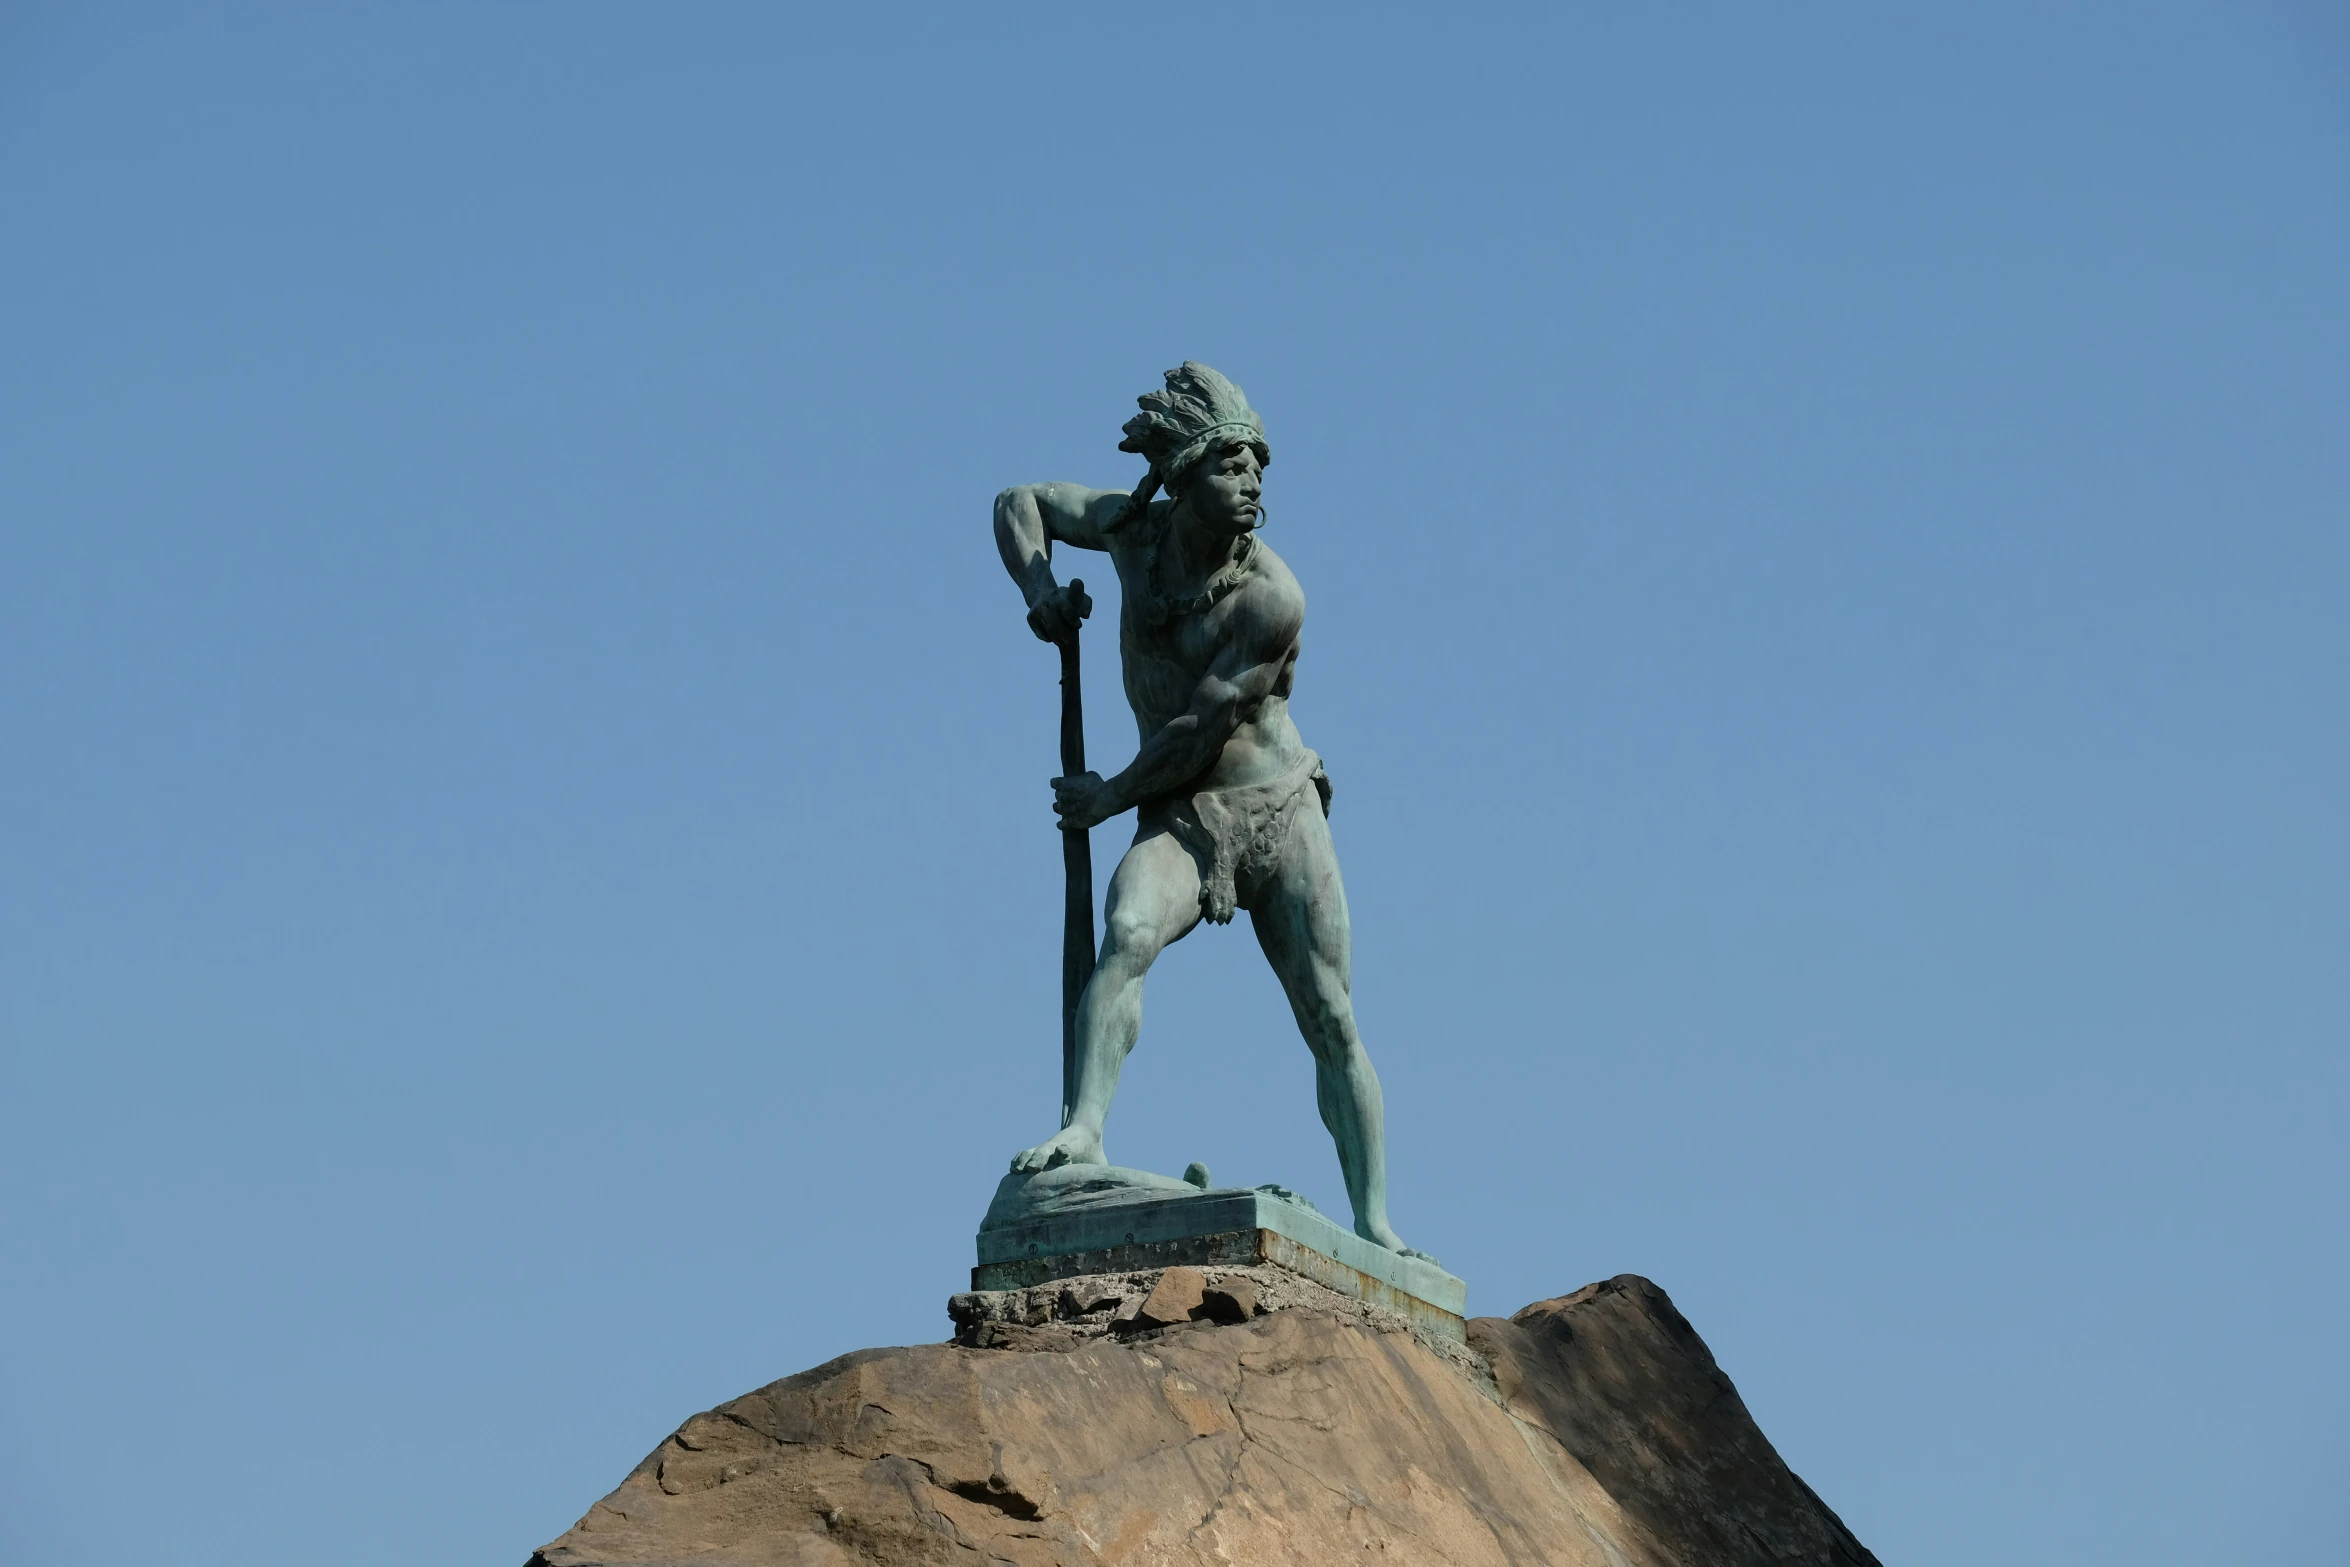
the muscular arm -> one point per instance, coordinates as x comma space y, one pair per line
1030, 518
1264, 632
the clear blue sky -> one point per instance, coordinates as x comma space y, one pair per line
527, 899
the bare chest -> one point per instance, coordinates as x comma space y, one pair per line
1166, 659
1166, 644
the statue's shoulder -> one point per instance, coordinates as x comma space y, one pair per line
1272, 570
1135, 537
1135, 532
1271, 591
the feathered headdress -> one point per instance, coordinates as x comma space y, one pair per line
1199, 412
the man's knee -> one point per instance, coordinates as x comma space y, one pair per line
1134, 934
1127, 932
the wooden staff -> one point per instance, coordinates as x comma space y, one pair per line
1076, 857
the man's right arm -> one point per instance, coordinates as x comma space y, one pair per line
1029, 520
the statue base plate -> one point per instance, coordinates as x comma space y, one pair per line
1086, 1219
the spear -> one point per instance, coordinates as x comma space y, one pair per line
1076, 857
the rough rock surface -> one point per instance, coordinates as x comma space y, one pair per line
1068, 1312
1621, 1380
1605, 1437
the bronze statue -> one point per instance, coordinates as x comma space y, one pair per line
1229, 804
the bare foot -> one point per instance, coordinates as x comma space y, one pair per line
1074, 1145
1387, 1237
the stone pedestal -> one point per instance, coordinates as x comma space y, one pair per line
1079, 1220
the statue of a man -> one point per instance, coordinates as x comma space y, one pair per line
1229, 804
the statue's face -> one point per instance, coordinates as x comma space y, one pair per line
1222, 490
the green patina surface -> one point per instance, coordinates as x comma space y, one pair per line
1049, 1226
1230, 805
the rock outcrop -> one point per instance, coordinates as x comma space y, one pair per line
1618, 1378
1605, 1436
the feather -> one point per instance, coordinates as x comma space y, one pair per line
1197, 409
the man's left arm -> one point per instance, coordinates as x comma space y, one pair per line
1242, 675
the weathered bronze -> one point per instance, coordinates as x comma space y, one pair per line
1230, 804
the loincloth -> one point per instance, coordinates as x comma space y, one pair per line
1236, 835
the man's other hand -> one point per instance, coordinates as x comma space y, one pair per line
1055, 616
1083, 801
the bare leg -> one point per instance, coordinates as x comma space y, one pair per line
1153, 903
1301, 923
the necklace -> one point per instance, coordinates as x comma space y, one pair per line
1159, 607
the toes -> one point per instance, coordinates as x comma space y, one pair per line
1043, 1156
